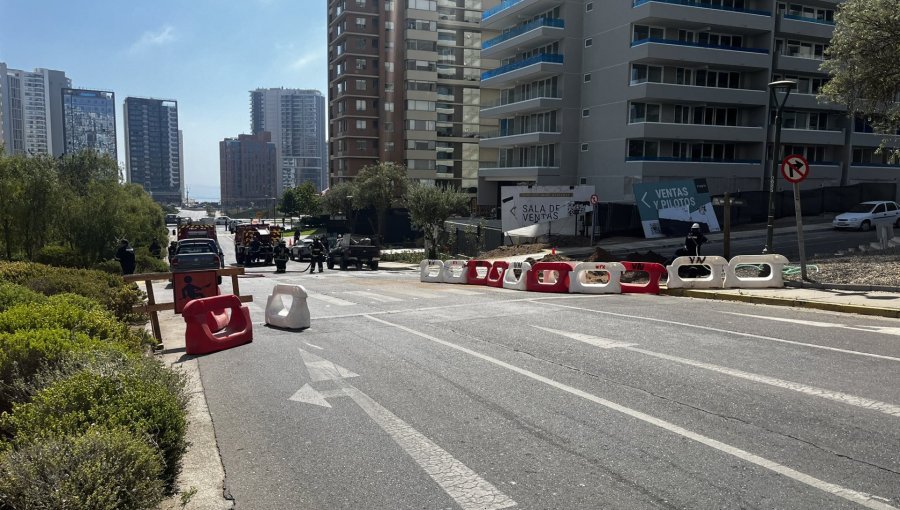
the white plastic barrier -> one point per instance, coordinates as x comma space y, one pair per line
713, 280
775, 278
579, 284
514, 281
455, 271
279, 315
430, 271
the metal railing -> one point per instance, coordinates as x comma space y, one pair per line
692, 160
704, 5
550, 58
697, 45
497, 133
515, 100
796, 17
505, 4
528, 27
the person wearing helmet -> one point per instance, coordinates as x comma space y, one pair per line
694, 240
125, 256
281, 257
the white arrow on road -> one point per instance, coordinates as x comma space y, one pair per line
462, 484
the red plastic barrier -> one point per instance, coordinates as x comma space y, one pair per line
496, 272
655, 272
560, 285
473, 278
209, 329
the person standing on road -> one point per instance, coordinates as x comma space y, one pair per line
281, 257
125, 256
318, 255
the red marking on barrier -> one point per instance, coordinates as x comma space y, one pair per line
209, 327
472, 276
653, 270
496, 272
560, 285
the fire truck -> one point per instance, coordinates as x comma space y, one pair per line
244, 235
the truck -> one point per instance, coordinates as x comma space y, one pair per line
356, 250
197, 231
244, 235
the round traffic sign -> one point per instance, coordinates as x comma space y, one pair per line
595, 199
795, 168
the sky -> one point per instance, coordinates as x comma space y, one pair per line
205, 54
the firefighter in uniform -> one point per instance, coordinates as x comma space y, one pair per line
281, 257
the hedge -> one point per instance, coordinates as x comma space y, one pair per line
25, 353
139, 395
12, 294
72, 313
107, 289
98, 470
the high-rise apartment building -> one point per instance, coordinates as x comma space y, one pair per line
31, 110
403, 87
248, 168
153, 148
627, 91
296, 120
89, 121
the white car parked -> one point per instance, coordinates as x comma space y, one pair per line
866, 215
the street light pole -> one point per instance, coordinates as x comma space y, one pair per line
774, 87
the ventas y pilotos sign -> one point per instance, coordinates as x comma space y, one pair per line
669, 208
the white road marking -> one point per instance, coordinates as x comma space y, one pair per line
373, 296
460, 292
738, 333
470, 491
419, 294
308, 395
329, 299
861, 498
314, 346
885, 330
844, 398
321, 369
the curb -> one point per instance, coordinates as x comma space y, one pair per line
791, 302
841, 286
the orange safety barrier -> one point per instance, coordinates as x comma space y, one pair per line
211, 328
473, 275
654, 272
548, 281
496, 272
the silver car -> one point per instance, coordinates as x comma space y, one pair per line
866, 215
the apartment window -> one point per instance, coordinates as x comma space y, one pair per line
389, 6
642, 32
389, 67
360, 3
360, 124
584, 147
388, 146
362, 145
588, 42
642, 73
586, 112
388, 87
420, 145
643, 148
360, 63
682, 114
361, 23
424, 5
643, 112
388, 106
588, 7
388, 127
587, 77
420, 105
360, 84
388, 26
360, 105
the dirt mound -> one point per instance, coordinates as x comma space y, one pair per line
512, 250
600, 255
650, 256
555, 258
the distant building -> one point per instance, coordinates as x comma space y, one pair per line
248, 167
31, 114
153, 149
296, 120
89, 121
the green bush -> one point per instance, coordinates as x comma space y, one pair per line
105, 288
26, 352
69, 313
138, 394
110, 266
59, 256
147, 263
98, 470
12, 294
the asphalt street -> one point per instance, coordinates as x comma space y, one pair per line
411, 395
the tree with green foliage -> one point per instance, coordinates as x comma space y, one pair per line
287, 204
309, 203
430, 207
863, 61
381, 186
339, 199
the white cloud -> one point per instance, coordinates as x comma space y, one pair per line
163, 36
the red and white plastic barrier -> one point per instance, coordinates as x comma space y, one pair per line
775, 279
431, 270
455, 271
579, 284
713, 280
654, 271
516, 276
549, 277
497, 273
477, 272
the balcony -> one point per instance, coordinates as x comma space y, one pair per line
501, 138
798, 63
675, 131
704, 5
791, 24
669, 159
672, 92
699, 14
509, 12
534, 34
509, 172
801, 136
671, 50
532, 68
500, 109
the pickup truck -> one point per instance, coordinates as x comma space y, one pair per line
356, 250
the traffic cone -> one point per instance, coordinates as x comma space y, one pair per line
553, 251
